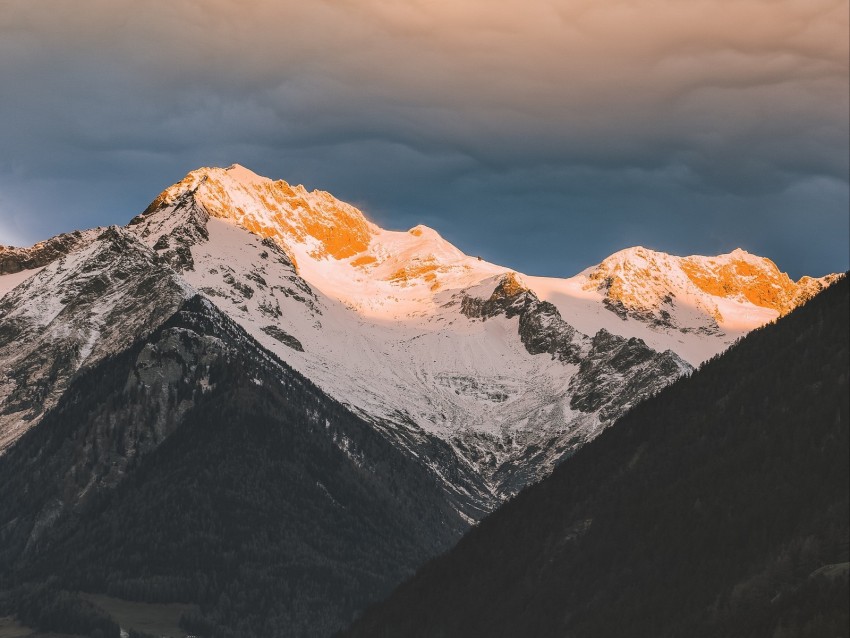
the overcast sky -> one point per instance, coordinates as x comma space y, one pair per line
541, 135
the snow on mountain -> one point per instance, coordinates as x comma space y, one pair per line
696, 306
382, 274
19, 264
487, 375
17, 260
426, 342
93, 301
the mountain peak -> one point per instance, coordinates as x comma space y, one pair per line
421, 230
243, 174
331, 242
641, 279
290, 215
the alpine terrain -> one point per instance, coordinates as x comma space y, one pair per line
254, 400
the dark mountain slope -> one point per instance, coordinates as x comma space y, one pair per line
242, 487
717, 508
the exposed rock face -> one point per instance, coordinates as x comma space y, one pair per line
808, 287
14, 260
179, 230
284, 337
614, 374
127, 404
541, 328
617, 373
613, 371
139, 399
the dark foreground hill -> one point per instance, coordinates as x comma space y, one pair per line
717, 508
196, 467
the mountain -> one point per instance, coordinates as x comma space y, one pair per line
195, 466
20, 260
408, 331
719, 507
384, 321
695, 306
391, 392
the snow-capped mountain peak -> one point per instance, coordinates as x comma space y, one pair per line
325, 226
642, 280
695, 305
332, 244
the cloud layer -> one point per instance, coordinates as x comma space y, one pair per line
541, 134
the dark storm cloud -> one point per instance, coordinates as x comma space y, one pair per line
543, 135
